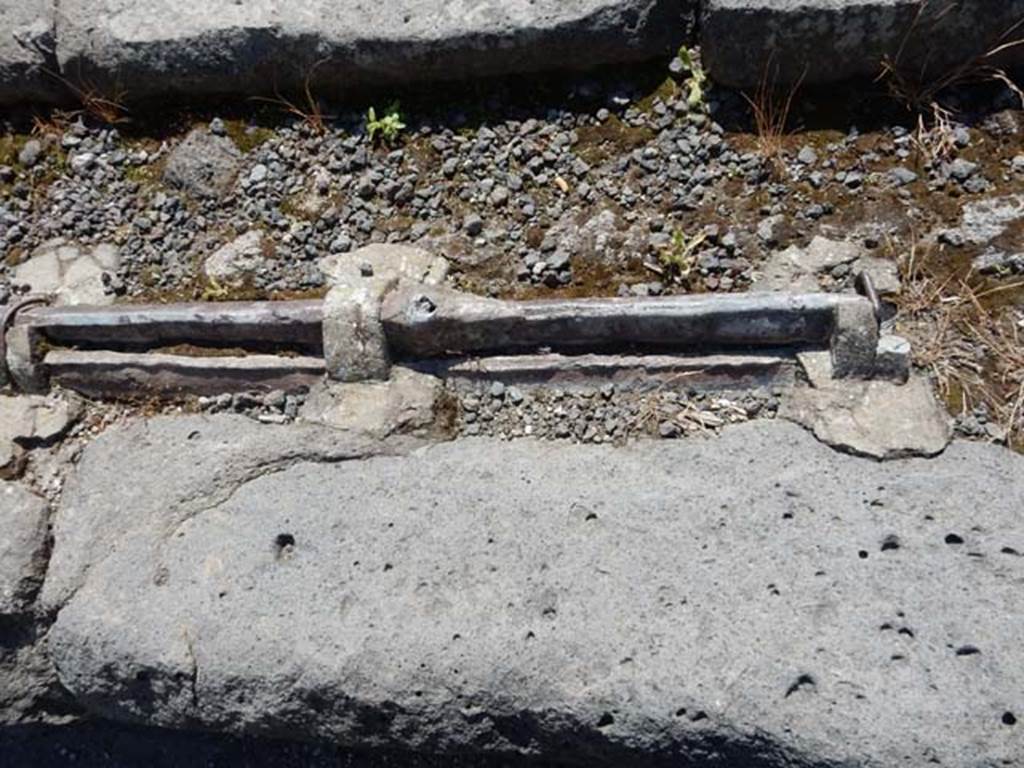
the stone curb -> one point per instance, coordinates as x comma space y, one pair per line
157, 48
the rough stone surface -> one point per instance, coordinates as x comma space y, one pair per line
873, 418
828, 40
220, 453
26, 50
23, 521
27, 421
406, 403
736, 601
231, 264
797, 268
384, 261
161, 46
355, 345
72, 273
893, 358
854, 341
203, 165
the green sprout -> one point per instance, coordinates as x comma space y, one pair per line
696, 80
388, 127
680, 259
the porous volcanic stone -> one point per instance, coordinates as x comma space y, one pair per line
747, 41
161, 46
756, 599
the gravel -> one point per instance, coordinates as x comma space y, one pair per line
603, 414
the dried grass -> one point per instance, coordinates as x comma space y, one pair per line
309, 111
771, 106
969, 340
920, 91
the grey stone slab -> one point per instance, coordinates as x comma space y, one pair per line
23, 521
828, 40
27, 51
219, 452
160, 46
755, 599
879, 419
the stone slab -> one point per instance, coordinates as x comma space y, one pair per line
27, 51
822, 41
879, 419
23, 521
407, 402
222, 46
755, 599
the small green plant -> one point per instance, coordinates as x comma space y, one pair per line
696, 80
214, 291
388, 127
680, 258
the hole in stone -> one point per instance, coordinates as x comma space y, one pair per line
967, 650
952, 538
423, 306
142, 676
681, 712
885, 627
890, 542
906, 631
530, 635
1009, 551
606, 720
696, 717
897, 657
591, 516
388, 567
193, 434
863, 554
803, 681
283, 540
1009, 718
787, 515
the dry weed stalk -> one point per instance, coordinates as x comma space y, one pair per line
771, 106
310, 112
107, 107
969, 341
920, 91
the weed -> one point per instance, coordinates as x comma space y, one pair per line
387, 128
107, 107
771, 106
966, 337
309, 111
697, 79
214, 291
679, 260
921, 91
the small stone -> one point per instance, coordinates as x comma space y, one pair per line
902, 176
807, 156
962, 170
473, 225
497, 390
669, 429
217, 127
893, 358
258, 174
30, 153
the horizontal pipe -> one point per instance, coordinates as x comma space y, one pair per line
422, 321
296, 324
